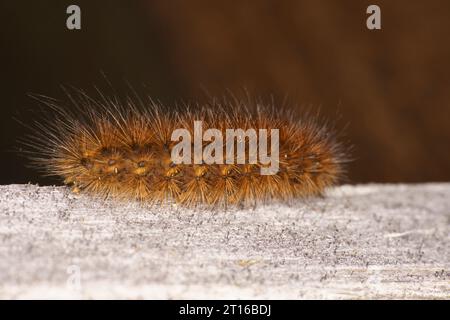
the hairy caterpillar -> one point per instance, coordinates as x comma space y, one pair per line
123, 149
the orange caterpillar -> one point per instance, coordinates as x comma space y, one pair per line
123, 150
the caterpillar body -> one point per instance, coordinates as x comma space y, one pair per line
123, 150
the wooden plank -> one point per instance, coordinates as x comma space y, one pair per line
365, 241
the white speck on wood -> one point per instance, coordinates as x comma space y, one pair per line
365, 241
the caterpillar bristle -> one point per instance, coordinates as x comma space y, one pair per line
123, 150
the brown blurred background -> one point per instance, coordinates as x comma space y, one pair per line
390, 86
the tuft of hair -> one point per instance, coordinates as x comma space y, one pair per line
121, 149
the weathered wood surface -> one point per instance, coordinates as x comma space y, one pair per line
366, 241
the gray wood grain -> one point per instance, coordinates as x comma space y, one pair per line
365, 241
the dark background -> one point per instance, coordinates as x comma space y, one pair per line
390, 86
